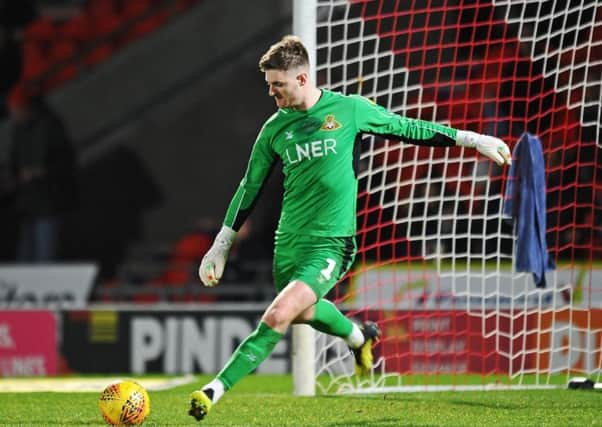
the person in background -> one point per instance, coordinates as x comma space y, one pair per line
10, 66
43, 170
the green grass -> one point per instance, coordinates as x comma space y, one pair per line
267, 401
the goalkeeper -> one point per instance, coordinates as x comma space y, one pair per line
315, 133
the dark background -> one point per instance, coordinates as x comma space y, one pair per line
162, 120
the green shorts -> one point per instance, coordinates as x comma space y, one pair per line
319, 262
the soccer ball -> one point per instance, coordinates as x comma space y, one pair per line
125, 403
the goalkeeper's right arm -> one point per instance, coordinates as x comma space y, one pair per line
260, 164
489, 146
214, 261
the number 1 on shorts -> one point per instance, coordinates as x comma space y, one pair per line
327, 272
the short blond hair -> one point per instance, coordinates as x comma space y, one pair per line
287, 54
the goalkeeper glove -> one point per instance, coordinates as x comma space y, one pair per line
489, 146
214, 261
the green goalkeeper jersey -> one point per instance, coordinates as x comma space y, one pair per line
319, 149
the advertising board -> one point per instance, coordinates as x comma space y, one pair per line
28, 344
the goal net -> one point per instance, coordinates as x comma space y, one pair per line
437, 259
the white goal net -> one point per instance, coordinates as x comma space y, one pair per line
437, 260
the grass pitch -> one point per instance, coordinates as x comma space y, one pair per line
265, 400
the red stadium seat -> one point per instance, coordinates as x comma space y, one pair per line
145, 26
105, 26
100, 8
18, 96
42, 29
61, 52
133, 13
35, 62
79, 28
99, 54
103, 17
104, 30
135, 8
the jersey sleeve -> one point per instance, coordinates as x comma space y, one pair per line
260, 164
373, 119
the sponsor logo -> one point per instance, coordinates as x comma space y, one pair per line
188, 344
310, 150
11, 296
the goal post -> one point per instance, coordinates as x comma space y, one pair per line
303, 336
436, 262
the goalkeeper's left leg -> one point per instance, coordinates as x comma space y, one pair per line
327, 318
292, 301
201, 403
247, 357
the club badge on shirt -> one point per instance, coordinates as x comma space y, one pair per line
330, 123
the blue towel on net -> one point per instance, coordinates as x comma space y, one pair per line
525, 202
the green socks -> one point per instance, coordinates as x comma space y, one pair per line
328, 319
258, 346
249, 355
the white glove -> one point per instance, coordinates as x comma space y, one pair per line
489, 146
214, 261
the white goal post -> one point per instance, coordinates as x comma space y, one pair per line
303, 336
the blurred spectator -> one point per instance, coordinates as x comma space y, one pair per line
42, 163
10, 66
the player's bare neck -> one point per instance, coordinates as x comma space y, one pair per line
311, 98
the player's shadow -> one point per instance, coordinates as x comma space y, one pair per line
97, 422
484, 404
384, 422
